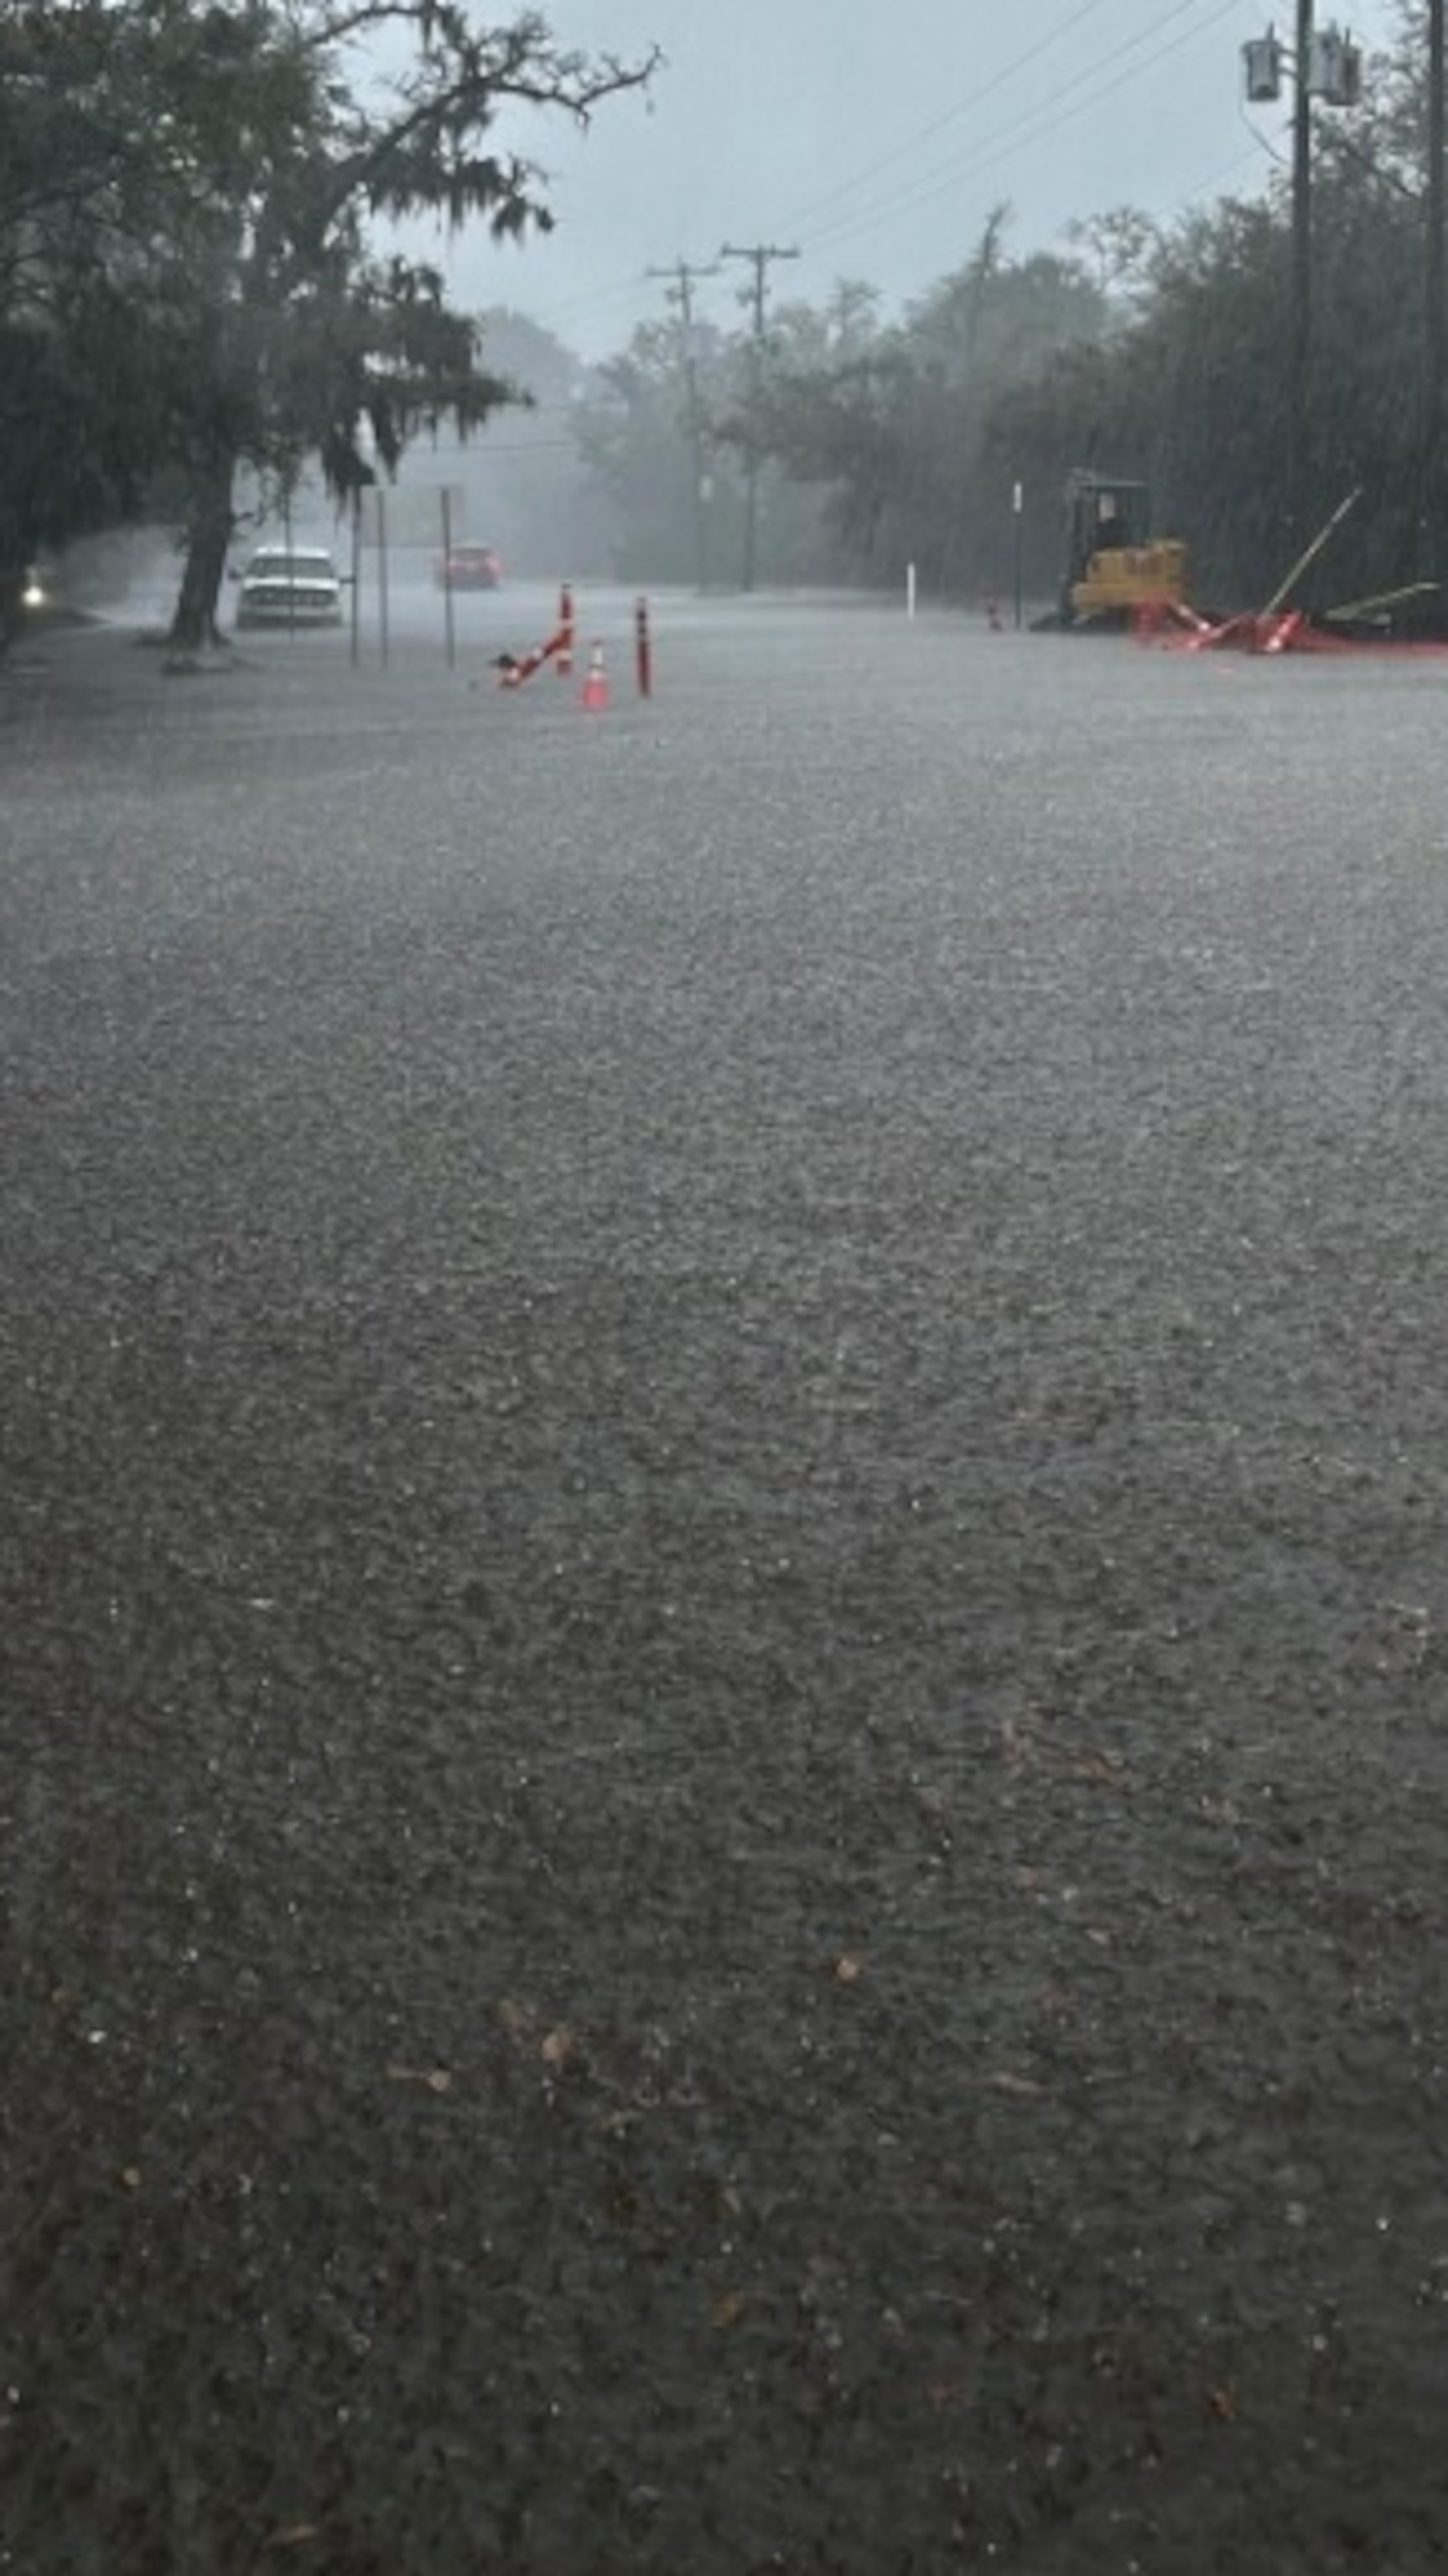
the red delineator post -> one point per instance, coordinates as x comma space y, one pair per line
512, 673
643, 650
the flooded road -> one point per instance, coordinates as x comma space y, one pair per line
721, 1605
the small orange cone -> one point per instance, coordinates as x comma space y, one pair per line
594, 695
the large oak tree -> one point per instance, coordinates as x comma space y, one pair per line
197, 264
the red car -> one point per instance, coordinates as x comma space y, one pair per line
469, 568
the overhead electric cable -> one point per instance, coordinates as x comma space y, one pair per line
965, 107
1025, 129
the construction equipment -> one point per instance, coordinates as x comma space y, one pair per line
1116, 570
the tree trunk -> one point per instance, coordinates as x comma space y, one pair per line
208, 535
12, 583
12, 580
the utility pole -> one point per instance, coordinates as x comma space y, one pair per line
1326, 66
1300, 461
681, 293
759, 255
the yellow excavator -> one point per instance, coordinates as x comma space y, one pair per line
1115, 568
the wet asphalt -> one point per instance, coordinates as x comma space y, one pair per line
722, 1590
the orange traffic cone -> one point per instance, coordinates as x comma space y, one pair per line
594, 694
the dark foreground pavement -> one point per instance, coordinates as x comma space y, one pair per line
722, 1590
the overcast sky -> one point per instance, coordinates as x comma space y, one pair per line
874, 139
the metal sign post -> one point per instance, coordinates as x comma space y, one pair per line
382, 572
444, 499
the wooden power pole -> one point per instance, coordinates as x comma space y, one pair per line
1299, 473
681, 293
759, 256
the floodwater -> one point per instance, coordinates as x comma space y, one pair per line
721, 1605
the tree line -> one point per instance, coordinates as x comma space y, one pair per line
1149, 350
191, 200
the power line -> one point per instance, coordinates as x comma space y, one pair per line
964, 107
1031, 126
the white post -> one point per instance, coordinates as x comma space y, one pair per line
910, 590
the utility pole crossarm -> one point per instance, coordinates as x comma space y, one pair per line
760, 256
685, 275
